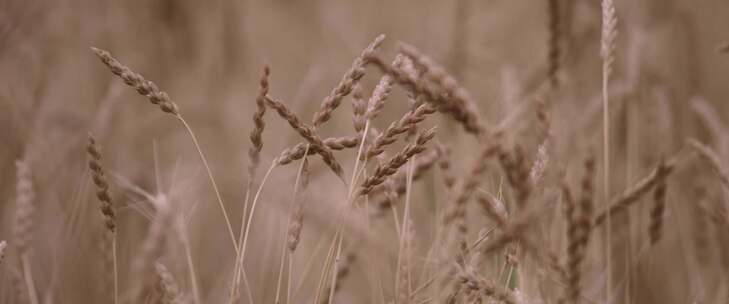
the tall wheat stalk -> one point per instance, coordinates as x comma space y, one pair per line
607, 52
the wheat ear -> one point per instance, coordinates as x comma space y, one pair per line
381, 92
460, 103
633, 194
345, 86
308, 133
579, 227
396, 128
472, 282
468, 117
517, 172
395, 186
107, 211
171, 293
391, 167
3, 246
659, 206
553, 53
298, 151
25, 223
254, 153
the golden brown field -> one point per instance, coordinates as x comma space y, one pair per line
407, 152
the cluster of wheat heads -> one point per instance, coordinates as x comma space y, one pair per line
458, 267
508, 221
453, 261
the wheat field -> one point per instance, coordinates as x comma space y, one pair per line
406, 152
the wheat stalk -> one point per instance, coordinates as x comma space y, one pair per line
607, 52
342, 273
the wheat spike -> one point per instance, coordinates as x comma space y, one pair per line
359, 107
345, 86
396, 128
334, 143
381, 92
473, 282
259, 124
659, 206
171, 293
391, 167
460, 103
102, 186
107, 211
297, 220
135, 80
633, 194
468, 117
308, 133
3, 246
553, 54
25, 207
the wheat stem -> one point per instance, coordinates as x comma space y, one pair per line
28, 274
242, 251
116, 269
212, 180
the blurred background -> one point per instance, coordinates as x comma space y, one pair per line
208, 56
